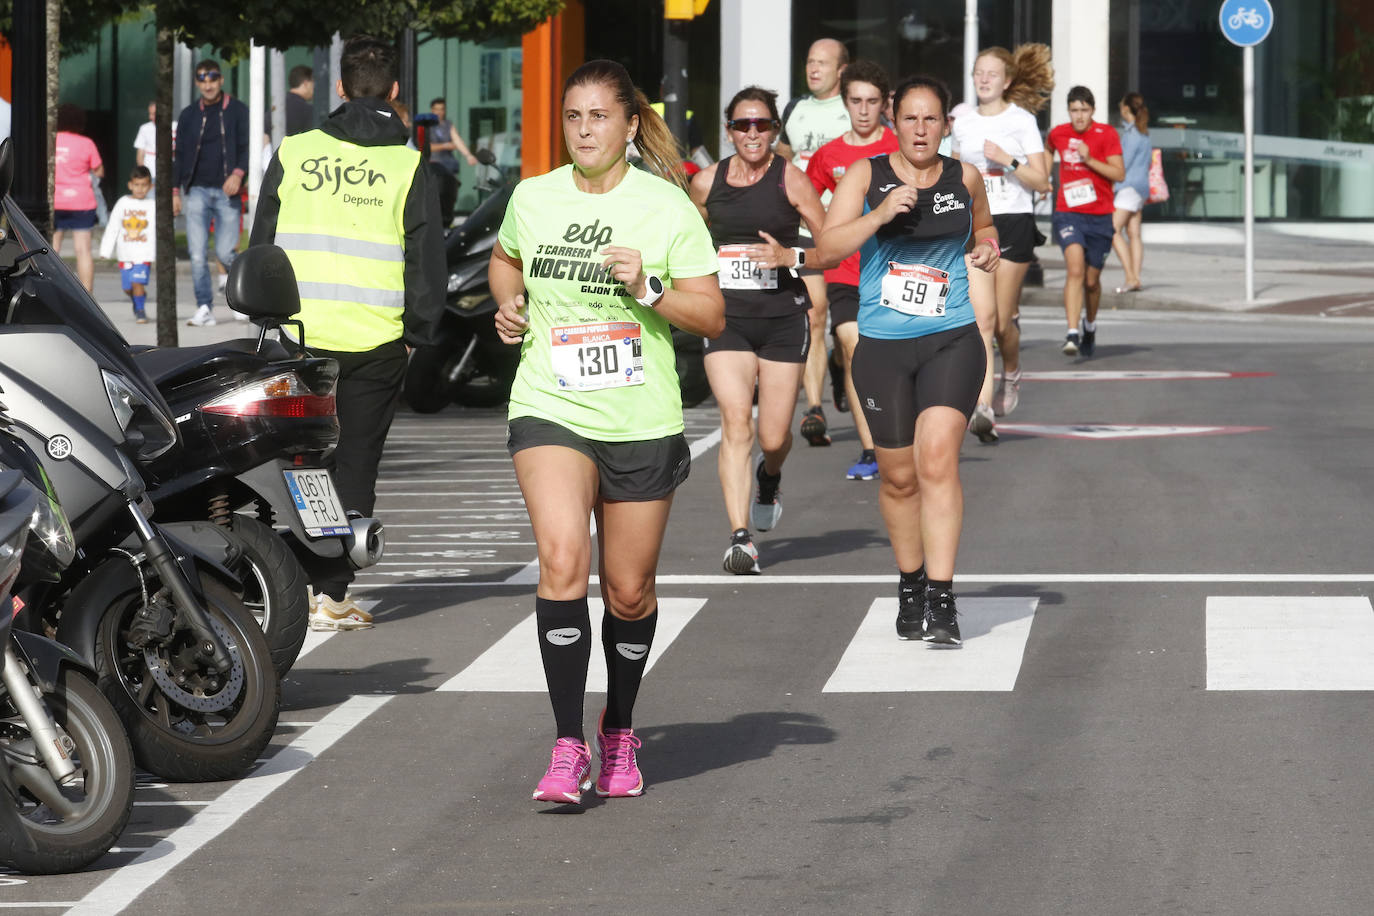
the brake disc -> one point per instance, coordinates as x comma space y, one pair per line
160, 668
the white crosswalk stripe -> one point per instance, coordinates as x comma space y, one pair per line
994, 632
1294, 642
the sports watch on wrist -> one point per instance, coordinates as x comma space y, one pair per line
1015, 164
653, 291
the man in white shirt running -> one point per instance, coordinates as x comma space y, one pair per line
808, 123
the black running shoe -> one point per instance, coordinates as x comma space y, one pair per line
837, 393
911, 614
1089, 342
813, 426
942, 623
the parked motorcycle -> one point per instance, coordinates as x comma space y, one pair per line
256, 421
471, 365
161, 622
66, 768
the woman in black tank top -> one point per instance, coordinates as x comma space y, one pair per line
753, 202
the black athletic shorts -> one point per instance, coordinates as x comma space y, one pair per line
844, 303
639, 471
897, 379
1016, 236
782, 340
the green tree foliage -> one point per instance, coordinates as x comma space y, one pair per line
229, 26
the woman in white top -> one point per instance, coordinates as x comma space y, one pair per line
1001, 138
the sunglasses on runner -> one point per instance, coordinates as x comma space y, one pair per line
207, 76
762, 125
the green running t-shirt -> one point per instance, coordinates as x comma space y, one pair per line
594, 360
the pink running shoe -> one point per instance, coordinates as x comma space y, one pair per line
620, 776
569, 775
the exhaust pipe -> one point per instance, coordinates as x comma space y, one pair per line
366, 543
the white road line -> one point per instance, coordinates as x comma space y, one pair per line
513, 665
133, 878
1293, 642
170, 804
430, 494
52, 905
994, 631
959, 580
390, 526
392, 462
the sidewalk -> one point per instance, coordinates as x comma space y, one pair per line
1323, 269
116, 304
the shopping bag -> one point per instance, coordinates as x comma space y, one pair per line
1159, 189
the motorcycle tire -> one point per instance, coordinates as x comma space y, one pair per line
275, 589
479, 389
102, 793
184, 724
425, 388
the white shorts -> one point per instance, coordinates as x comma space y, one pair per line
1129, 199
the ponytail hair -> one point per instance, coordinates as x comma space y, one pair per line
656, 144
1031, 72
1139, 113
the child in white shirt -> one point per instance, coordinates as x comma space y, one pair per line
130, 238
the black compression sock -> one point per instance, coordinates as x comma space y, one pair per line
627, 644
565, 645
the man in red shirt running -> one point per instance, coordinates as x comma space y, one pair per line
1089, 162
864, 87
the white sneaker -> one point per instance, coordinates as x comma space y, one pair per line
238, 316
203, 318
223, 281
328, 614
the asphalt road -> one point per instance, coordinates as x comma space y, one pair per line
1161, 705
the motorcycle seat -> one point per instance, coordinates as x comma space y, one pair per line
165, 364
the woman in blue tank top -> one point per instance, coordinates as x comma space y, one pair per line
920, 361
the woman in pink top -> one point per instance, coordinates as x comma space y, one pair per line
73, 196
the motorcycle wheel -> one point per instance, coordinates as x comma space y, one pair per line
97, 801
185, 724
275, 589
479, 389
425, 388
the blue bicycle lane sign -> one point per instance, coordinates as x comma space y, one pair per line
1246, 23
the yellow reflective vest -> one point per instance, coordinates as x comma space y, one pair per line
342, 225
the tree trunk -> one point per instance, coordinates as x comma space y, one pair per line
166, 230
53, 11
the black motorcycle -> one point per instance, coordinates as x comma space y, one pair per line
161, 622
66, 768
470, 365
256, 418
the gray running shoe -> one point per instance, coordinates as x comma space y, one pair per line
767, 506
981, 424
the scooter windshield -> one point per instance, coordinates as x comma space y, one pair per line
56, 296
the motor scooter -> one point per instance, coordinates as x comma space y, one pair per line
66, 768
162, 623
256, 418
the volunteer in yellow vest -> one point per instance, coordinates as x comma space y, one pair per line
352, 207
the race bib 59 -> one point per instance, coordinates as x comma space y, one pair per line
915, 289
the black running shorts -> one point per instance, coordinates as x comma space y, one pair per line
639, 471
897, 379
782, 340
1016, 236
844, 303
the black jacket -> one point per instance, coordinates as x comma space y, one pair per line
372, 122
233, 136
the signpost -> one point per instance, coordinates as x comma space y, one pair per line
1246, 23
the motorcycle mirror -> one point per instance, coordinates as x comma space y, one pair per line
485, 156
6, 166
262, 284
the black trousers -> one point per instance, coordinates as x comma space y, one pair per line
368, 391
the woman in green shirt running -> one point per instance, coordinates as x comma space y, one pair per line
593, 262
